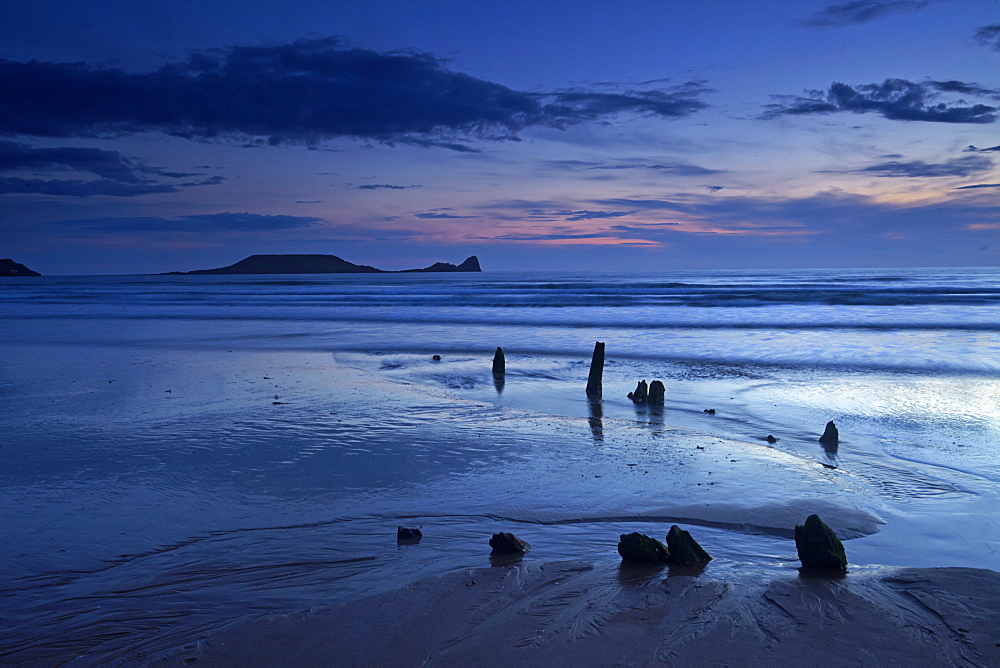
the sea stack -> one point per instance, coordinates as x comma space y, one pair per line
830, 435
595, 381
499, 363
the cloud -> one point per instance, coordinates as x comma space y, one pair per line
590, 215
963, 167
989, 36
210, 222
424, 142
568, 107
674, 168
833, 218
541, 211
677, 168
545, 237
436, 215
106, 164
979, 185
954, 86
385, 186
972, 149
894, 99
74, 188
120, 176
861, 11
304, 91
853, 224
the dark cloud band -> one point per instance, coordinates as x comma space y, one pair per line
957, 167
119, 176
204, 223
989, 36
861, 11
80, 188
305, 91
894, 99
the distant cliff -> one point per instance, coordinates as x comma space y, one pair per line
471, 263
10, 268
318, 264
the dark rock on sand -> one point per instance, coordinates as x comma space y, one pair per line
10, 268
640, 394
818, 547
684, 550
771, 439
436, 358
640, 547
402, 533
657, 393
508, 543
710, 411
830, 435
499, 362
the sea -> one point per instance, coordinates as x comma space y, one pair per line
181, 454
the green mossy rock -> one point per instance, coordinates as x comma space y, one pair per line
819, 547
640, 547
683, 549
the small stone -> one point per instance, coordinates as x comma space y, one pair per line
710, 411
403, 533
683, 549
657, 393
830, 435
508, 543
436, 358
819, 547
640, 547
771, 439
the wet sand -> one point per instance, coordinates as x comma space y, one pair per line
232, 500
576, 613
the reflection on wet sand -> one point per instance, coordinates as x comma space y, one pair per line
596, 420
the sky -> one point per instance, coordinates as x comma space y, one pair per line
147, 137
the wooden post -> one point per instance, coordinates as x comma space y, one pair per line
499, 363
594, 380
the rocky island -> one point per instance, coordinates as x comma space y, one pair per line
10, 268
320, 264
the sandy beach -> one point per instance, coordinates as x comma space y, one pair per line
208, 479
573, 613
